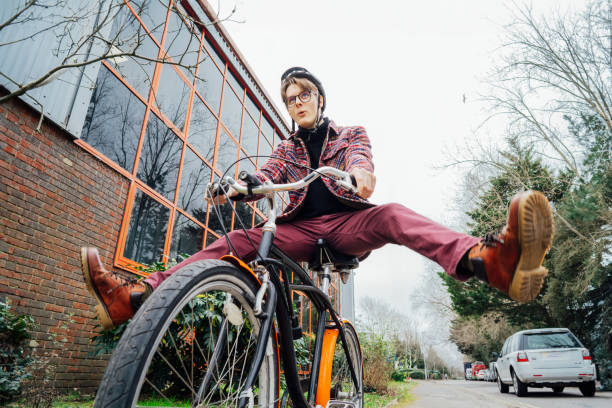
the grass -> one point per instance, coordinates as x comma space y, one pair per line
399, 392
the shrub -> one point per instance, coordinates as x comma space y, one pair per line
14, 360
399, 375
376, 365
417, 375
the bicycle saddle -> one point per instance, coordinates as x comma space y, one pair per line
325, 254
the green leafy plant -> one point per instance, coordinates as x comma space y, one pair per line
14, 356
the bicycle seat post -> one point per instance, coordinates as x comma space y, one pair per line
325, 277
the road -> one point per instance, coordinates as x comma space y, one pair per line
480, 394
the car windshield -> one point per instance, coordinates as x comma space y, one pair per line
550, 340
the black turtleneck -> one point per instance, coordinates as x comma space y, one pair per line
319, 200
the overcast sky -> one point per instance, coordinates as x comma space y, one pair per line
409, 71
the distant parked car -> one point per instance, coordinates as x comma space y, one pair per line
540, 358
476, 367
468, 373
482, 375
492, 372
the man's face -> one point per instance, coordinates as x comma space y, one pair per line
303, 113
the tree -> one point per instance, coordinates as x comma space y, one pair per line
553, 84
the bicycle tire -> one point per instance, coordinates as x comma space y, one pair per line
172, 319
342, 386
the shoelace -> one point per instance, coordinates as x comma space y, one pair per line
124, 282
492, 239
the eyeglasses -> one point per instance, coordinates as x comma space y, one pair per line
304, 97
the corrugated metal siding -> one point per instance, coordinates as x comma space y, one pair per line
66, 97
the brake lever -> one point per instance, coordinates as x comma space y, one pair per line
217, 188
348, 183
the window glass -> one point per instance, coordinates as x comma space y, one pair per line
231, 78
187, 237
129, 36
210, 237
231, 112
265, 150
202, 130
267, 129
172, 96
252, 107
245, 213
194, 178
505, 348
147, 230
213, 53
514, 345
114, 120
246, 164
182, 44
160, 157
249, 135
258, 219
209, 81
225, 211
153, 15
550, 340
227, 155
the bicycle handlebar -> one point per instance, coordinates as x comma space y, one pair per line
344, 180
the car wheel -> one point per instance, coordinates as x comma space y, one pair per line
558, 389
587, 389
503, 388
520, 388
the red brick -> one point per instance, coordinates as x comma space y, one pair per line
47, 210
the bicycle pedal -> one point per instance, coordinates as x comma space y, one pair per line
341, 404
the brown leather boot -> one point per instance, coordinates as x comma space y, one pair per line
118, 298
512, 260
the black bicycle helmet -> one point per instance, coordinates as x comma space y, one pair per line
299, 72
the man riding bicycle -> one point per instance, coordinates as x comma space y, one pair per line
510, 261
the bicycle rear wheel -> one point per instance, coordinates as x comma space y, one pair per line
343, 388
191, 344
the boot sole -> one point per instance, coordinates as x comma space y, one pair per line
100, 308
536, 228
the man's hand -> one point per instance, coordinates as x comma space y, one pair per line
221, 198
366, 182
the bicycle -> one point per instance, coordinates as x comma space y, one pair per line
207, 335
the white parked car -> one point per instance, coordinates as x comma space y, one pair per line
540, 358
468, 374
482, 375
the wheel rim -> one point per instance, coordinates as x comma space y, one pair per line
515, 383
185, 351
342, 385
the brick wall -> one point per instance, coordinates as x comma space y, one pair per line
54, 198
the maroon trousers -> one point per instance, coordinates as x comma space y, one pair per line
354, 233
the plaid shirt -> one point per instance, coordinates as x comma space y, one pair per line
344, 148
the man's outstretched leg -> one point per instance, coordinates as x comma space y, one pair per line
119, 298
512, 261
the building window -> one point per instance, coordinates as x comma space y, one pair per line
114, 120
171, 128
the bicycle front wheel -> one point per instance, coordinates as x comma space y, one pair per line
343, 388
192, 344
